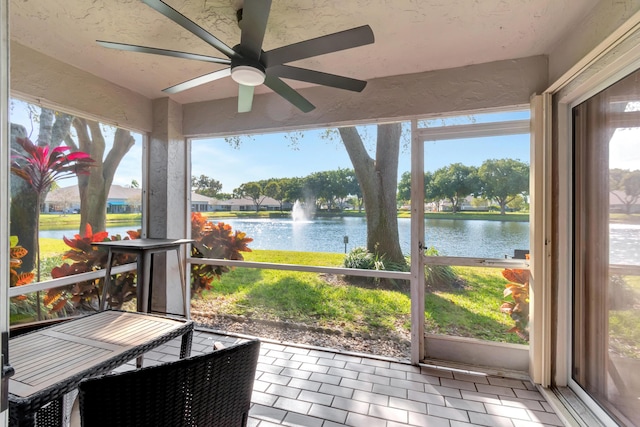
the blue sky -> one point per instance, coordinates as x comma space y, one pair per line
274, 156
277, 155
271, 156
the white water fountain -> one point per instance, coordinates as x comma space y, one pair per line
300, 212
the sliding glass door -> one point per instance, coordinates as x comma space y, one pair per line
606, 290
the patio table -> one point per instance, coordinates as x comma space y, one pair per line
52, 361
144, 249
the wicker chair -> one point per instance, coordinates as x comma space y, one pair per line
210, 390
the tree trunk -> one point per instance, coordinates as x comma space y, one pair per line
94, 188
378, 182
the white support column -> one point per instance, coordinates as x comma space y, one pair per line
540, 348
417, 245
167, 199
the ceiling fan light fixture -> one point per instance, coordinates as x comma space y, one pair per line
247, 75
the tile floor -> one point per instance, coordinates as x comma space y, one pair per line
312, 387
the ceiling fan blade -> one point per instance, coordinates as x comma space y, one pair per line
225, 72
318, 77
287, 92
245, 98
255, 14
335, 42
165, 52
189, 25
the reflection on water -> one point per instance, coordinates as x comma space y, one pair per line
486, 239
624, 244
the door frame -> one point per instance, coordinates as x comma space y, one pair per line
419, 259
4, 194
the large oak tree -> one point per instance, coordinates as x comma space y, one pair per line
378, 178
94, 188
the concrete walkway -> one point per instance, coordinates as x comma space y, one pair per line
312, 387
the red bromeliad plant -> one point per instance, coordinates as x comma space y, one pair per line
518, 308
41, 166
213, 241
87, 257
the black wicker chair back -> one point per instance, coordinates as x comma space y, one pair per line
210, 390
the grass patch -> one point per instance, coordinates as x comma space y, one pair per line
472, 311
308, 298
624, 332
65, 221
480, 216
52, 247
305, 298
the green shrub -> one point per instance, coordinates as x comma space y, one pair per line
361, 258
439, 275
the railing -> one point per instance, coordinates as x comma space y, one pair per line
433, 260
304, 268
429, 260
66, 281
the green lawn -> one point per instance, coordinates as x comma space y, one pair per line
310, 299
63, 221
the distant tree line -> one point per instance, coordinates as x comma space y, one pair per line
628, 182
501, 181
332, 190
504, 182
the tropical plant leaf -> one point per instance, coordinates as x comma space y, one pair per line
516, 275
18, 252
506, 307
518, 309
52, 296
59, 305
24, 278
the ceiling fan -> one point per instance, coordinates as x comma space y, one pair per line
249, 65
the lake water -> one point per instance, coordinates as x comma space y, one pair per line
481, 239
484, 239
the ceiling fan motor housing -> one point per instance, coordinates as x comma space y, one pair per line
246, 71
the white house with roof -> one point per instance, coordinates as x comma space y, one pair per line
200, 203
67, 200
246, 204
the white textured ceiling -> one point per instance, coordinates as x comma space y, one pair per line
410, 36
